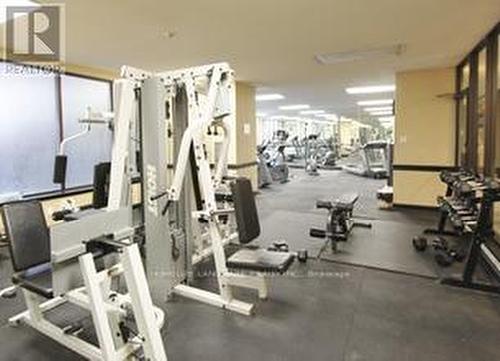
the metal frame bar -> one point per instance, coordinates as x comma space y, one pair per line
106, 311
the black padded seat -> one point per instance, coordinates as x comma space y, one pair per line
29, 245
346, 201
261, 260
37, 280
247, 219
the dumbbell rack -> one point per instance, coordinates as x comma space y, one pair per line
456, 197
480, 252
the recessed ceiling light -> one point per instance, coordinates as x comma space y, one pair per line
371, 89
266, 97
386, 119
328, 116
378, 109
312, 112
5, 4
382, 113
295, 107
363, 103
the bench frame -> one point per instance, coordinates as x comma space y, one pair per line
339, 224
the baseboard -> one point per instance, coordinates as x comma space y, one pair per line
413, 206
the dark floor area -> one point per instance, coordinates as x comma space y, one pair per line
321, 310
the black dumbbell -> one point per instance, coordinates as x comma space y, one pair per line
420, 243
302, 255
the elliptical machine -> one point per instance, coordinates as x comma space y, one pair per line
263, 174
278, 168
311, 166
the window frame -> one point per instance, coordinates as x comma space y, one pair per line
490, 43
49, 194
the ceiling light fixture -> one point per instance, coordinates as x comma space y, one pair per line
368, 103
312, 112
259, 114
378, 109
386, 119
266, 97
360, 54
382, 113
371, 89
295, 107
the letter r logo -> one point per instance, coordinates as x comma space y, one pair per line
33, 33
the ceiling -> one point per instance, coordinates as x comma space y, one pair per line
272, 43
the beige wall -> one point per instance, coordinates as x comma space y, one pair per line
245, 133
424, 133
92, 72
425, 117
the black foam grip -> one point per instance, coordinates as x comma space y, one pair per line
60, 169
158, 196
323, 204
317, 233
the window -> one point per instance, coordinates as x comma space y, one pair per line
497, 128
462, 115
465, 76
94, 147
481, 112
34, 111
29, 133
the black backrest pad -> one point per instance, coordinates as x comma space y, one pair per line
102, 173
247, 218
28, 234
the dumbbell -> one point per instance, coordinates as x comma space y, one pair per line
317, 233
420, 243
324, 205
279, 246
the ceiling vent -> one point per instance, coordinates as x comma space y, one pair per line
361, 54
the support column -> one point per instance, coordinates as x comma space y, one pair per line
243, 159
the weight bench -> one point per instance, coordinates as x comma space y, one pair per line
247, 220
339, 223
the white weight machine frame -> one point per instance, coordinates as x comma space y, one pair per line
71, 263
214, 108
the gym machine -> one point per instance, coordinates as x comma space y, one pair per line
264, 175
79, 260
176, 204
370, 160
339, 223
274, 155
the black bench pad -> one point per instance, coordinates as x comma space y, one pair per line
346, 201
37, 280
260, 260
